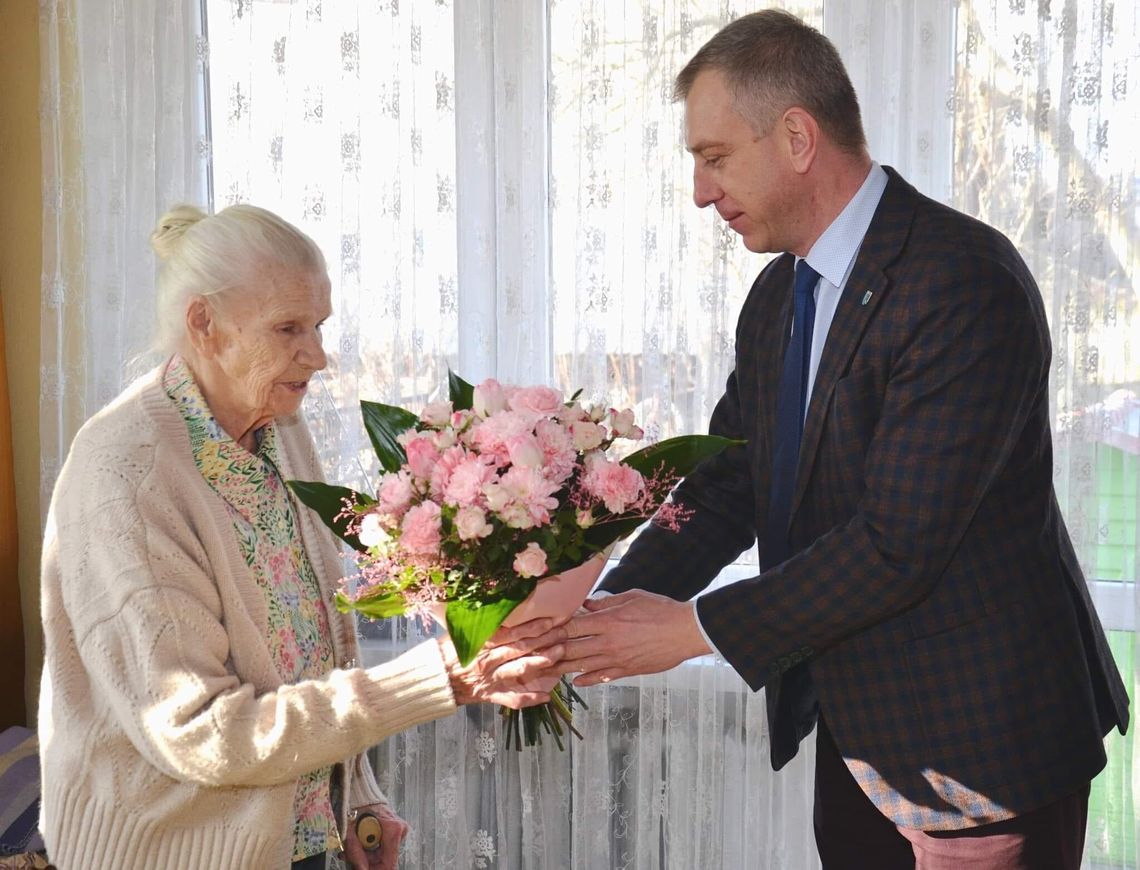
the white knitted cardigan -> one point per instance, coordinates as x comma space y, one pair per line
167, 737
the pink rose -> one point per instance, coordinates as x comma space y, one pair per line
441, 472
420, 530
436, 413
488, 398
617, 485
530, 562
536, 401
422, 455
525, 451
471, 523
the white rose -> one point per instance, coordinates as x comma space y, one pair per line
586, 435
471, 523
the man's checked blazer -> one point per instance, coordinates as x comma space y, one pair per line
934, 612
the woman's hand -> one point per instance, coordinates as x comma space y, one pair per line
507, 670
393, 829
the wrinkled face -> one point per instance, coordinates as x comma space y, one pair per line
267, 344
743, 174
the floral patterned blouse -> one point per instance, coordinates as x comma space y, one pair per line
299, 637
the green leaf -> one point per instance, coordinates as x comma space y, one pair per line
471, 625
678, 455
461, 393
604, 534
328, 501
384, 423
379, 607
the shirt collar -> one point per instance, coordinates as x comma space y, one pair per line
833, 254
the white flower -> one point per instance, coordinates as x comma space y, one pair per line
372, 531
586, 435
471, 523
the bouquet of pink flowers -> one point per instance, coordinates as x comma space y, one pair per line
484, 495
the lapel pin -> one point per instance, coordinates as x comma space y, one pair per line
866, 298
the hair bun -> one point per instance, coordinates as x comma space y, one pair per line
172, 226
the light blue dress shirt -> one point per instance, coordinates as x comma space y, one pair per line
833, 257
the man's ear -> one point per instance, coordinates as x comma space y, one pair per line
201, 324
801, 138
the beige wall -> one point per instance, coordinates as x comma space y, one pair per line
20, 240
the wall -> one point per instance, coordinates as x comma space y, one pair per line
20, 244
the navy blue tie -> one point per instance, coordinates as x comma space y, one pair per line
790, 402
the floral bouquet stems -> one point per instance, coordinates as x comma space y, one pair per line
483, 496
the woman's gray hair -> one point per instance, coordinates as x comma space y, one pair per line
206, 255
772, 61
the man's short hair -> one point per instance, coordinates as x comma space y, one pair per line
772, 61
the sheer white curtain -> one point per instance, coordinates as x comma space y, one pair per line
500, 186
122, 133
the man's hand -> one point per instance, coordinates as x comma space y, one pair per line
508, 670
632, 633
393, 829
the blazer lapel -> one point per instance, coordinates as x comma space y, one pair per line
771, 337
865, 290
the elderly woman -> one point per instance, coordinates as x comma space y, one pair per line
202, 705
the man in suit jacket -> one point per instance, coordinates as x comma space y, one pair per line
919, 598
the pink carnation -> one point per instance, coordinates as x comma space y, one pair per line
395, 493
529, 496
465, 486
617, 485
558, 451
420, 530
492, 435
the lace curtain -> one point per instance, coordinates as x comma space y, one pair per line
500, 187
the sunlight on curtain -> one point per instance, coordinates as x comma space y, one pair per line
122, 140
341, 118
1046, 110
